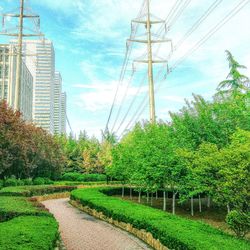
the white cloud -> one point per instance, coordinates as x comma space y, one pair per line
99, 96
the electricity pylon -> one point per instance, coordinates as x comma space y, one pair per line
148, 20
19, 35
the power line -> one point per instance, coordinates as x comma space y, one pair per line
124, 66
219, 25
197, 24
172, 14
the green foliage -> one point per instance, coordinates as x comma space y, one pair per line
235, 80
26, 151
29, 191
10, 182
173, 231
29, 233
39, 181
18, 206
83, 177
239, 222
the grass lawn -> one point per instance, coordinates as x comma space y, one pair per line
28, 233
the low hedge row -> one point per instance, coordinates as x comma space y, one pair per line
72, 176
173, 231
11, 207
29, 233
29, 191
24, 224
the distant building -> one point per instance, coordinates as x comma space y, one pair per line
63, 112
40, 60
57, 103
8, 63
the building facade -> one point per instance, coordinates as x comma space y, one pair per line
8, 65
63, 112
40, 60
57, 102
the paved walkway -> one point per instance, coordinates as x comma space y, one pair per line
79, 231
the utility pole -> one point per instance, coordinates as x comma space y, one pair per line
148, 22
19, 58
150, 68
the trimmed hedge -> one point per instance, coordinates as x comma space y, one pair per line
173, 231
83, 177
11, 207
29, 233
29, 191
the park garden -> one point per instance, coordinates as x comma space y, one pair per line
185, 181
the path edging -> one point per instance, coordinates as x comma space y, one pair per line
139, 233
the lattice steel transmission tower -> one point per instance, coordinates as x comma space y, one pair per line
19, 32
148, 20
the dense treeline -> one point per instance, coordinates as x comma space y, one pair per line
203, 151
84, 154
25, 150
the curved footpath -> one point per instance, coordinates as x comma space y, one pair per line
80, 231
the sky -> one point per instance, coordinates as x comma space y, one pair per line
90, 38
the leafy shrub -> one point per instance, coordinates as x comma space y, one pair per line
1, 184
39, 181
20, 182
239, 222
83, 177
48, 181
29, 233
28, 182
172, 231
10, 182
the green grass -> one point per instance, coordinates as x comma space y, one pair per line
173, 231
15, 206
28, 233
29, 191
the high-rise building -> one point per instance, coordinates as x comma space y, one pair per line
40, 60
63, 112
57, 102
8, 65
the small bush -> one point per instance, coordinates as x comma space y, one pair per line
239, 222
28, 182
39, 181
20, 183
10, 182
47, 181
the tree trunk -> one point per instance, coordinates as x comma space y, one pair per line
152, 195
228, 208
147, 197
192, 206
164, 201
122, 191
156, 195
200, 203
130, 193
139, 197
173, 203
208, 201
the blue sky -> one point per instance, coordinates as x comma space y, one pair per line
90, 37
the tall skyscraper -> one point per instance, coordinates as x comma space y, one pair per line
8, 64
57, 102
63, 112
42, 67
